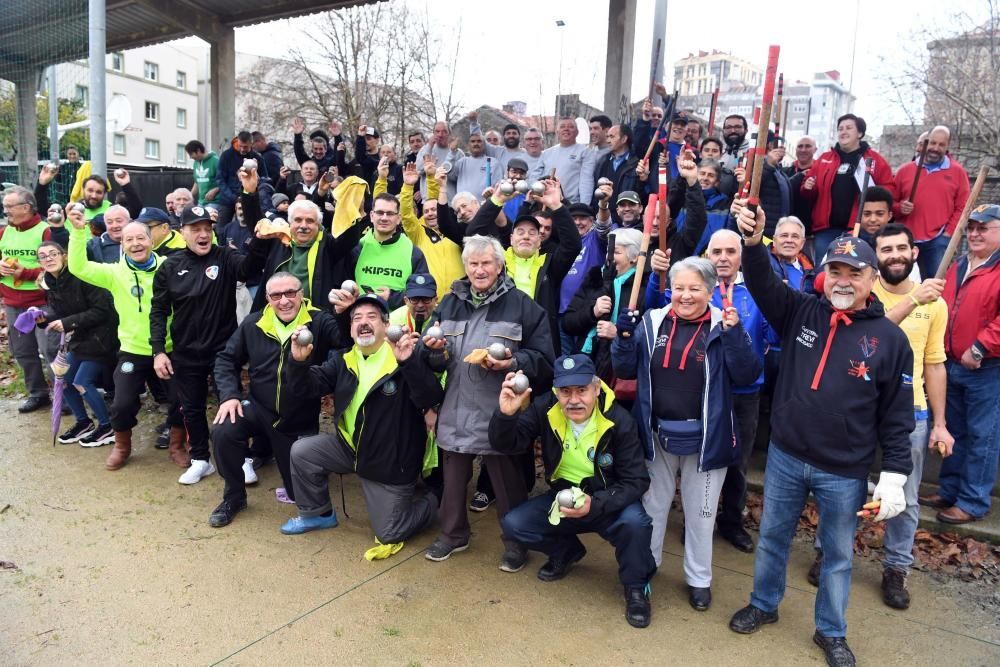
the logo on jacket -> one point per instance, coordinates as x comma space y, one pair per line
136, 291
128, 367
869, 346
212, 272
605, 460
590, 454
907, 380
389, 388
859, 369
181, 273
806, 338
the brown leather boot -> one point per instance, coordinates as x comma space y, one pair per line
121, 451
176, 449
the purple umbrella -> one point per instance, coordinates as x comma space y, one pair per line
59, 366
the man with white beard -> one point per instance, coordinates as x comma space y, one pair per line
845, 387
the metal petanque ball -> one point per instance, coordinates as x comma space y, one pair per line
349, 286
521, 383
538, 188
79, 208
437, 333
250, 164
498, 351
507, 188
565, 498
119, 173
600, 194
394, 333
522, 187
305, 337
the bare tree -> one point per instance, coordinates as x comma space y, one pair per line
958, 80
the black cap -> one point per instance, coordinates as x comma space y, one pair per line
574, 370
850, 250
373, 299
319, 134
194, 213
420, 285
580, 209
524, 217
678, 117
517, 163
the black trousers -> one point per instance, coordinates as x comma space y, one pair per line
132, 372
734, 489
457, 470
231, 442
190, 385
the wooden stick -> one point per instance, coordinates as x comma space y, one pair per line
765, 120
640, 263
869, 169
668, 111
920, 169
963, 222
777, 106
661, 212
711, 114
652, 74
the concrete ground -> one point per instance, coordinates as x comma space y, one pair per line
122, 568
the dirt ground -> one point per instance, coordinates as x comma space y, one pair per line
123, 568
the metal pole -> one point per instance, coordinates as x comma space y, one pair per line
98, 128
809, 107
659, 33
53, 116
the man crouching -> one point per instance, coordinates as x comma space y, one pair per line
379, 399
591, 450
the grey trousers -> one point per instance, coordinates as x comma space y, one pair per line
396, 512
700, 495
25, 349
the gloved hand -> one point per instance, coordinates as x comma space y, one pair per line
889, 492
627, 321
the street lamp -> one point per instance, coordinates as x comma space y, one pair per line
560, 24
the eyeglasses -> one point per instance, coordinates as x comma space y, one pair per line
287, 294
383, 214
980, 229
12, 206
45, 256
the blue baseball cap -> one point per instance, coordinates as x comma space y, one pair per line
574, 370
985, 213
151, 214
371, 298
420, 285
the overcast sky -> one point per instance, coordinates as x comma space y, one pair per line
512, 50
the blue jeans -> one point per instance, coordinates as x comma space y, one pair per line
931, 254
823, 240
567, 343
86, 375
973, 410
899, 530
629, 531
787, 483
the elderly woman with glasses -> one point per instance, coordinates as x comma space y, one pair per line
686, 358
84, 314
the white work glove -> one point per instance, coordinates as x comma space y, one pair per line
889, 493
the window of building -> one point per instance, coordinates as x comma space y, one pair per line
153, 112
152, 149
118, 62
182, 79
182, 118
151, 71
119, 144
82, 95
182, 156
798, 108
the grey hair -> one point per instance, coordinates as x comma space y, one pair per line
726, 233
116, 208
630, 240
714, 164
294, 207
281, 275
478, 244
940, 128
699, 265
790, 220
24, 196
184, 191
141, 225
462, 196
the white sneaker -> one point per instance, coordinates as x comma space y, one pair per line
249, 474
197, 470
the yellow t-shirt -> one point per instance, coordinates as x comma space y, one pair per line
576, 463
924, 328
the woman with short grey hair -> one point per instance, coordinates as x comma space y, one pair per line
686, 358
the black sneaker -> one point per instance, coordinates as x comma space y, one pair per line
77, 431
224, 513
514, 559
894, 591
557, 568
749, 619
441, 550
638, 611
813, 574
163, 438
102, 435
700, 599
34, 403
740, 539
838, 653
480, 502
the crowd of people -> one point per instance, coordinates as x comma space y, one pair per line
498, 302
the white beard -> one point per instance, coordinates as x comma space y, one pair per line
842, 301
365, 340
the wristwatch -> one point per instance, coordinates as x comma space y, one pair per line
976, 352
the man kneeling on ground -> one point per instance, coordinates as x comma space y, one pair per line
590, 448
379, 398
